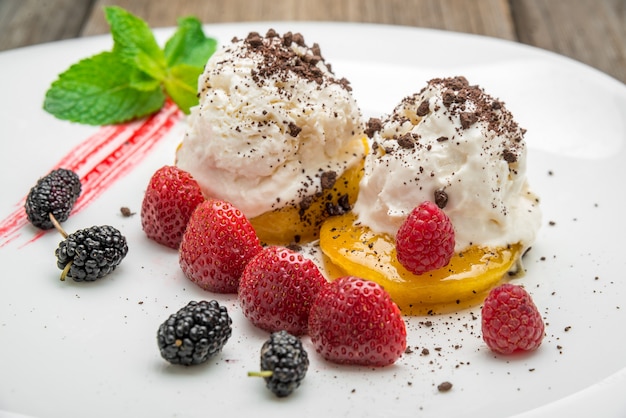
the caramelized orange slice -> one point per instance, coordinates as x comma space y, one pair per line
355, 250
301, 224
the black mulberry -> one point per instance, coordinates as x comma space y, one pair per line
195, 333
54, 194
91, 253
284, 363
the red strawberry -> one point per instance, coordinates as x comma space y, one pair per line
170, 199
217, 244
354, 321
425, 240
277, 289
511, 321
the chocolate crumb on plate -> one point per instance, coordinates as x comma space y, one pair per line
444, 386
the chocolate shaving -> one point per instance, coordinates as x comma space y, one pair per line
373, 125
441, 198
423, 108
294, 129
280, 58
468, 119
328, 179
406, 141
509, 156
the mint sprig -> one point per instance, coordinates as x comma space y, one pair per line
135, 77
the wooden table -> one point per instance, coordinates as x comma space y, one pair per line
590, 31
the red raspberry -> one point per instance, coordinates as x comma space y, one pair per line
511, 321
217, 244
354, 321
425, 240
170, 199
277, 289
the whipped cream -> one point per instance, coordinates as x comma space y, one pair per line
273, 122
453, 144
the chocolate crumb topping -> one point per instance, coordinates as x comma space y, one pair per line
406, 141
509, 156
306, 202
468, 119
280, 57
441, 198
294, 129
444, 386
254, 40
342, 207
423, 108
328, 179
373, 125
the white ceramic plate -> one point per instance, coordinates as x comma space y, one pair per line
89, 349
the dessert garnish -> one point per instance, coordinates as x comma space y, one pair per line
425, 240
91, 253
195, 333
216, 246
170, 199
135, 77
354, 321
53, 197
510, 320
284, 363
277, 289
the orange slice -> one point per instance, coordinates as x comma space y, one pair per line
298, 224
355, 250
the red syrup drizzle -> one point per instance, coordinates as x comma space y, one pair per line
100, 161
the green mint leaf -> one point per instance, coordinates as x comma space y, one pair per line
135, 42
182, 85
133, 79
189, 45
97, 91
142, 81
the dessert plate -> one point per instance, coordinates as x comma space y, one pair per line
89, 349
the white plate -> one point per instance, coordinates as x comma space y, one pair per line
89, 349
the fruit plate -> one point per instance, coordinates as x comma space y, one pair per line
89, 349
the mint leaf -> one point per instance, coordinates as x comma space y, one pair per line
182, 86
189, 45
142, 81
133, 79
135, 43
97, 91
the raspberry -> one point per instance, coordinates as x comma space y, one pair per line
511, 321
354, 321
53, 195
216, 246
195, 333
277, 289
170, 199
284, 363
425, 240
91, 253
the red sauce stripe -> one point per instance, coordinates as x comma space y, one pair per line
100, 161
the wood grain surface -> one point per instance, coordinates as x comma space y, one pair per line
590, 31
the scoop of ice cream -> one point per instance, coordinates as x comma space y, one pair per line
273, 124
453, 144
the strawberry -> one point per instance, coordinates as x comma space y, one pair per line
170, 199
510, 320
354, 321
277, 289
216, 246
425, 240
